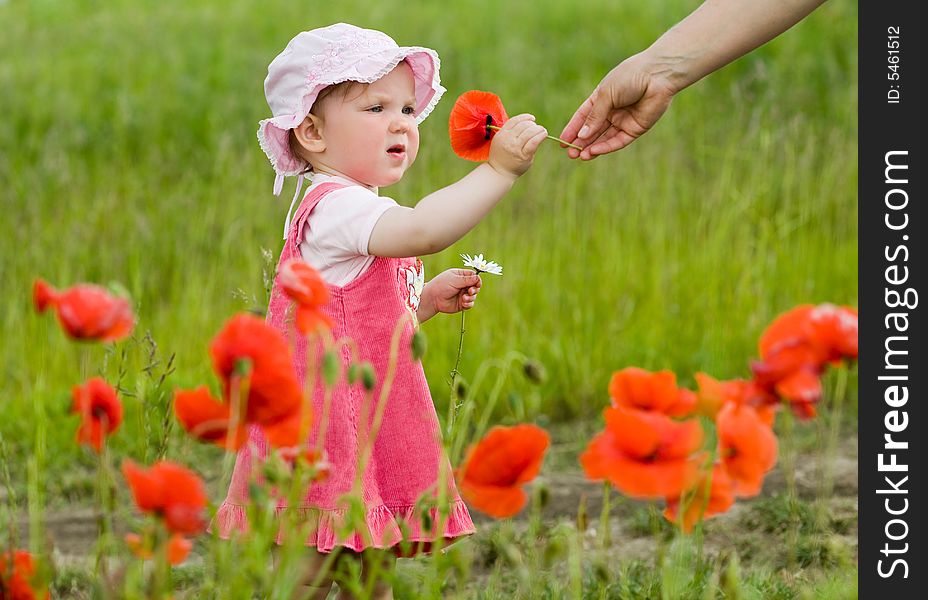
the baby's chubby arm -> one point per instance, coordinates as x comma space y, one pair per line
444, 216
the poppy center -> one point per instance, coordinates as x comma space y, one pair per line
489, 122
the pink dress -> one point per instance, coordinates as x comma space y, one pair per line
407, 451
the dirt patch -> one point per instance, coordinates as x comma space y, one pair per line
72, 532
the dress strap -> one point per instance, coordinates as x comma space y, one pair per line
314, 195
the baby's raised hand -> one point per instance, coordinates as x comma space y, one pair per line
514, 145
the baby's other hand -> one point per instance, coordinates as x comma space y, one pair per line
514, 146
454, 290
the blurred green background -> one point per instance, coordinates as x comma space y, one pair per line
128, 154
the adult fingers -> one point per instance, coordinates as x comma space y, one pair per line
615, 139
569, 134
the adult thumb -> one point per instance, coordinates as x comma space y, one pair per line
598, 112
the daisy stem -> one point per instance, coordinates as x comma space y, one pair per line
550, 137
453, 404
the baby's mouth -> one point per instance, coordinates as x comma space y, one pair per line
396, 149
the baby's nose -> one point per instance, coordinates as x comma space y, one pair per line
400, 125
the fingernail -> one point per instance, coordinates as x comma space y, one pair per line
584, 131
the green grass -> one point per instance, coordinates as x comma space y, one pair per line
128, 154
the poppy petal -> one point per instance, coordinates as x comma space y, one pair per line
467, 124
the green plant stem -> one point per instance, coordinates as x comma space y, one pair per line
831, 448
605, 537
789, 473
453, 399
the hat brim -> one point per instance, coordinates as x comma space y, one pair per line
273, 133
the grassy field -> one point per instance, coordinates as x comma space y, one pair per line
128, 154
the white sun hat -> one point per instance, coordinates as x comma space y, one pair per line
322, 57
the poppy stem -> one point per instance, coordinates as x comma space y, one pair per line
550, 137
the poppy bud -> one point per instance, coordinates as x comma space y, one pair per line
368, 377
330, 368
418, 345
354, 371
242, 366
534, 371
276, 471
544, 495
426, 521
460, 388
731, 578
581, 514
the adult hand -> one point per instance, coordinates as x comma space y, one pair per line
626, 104
634, 95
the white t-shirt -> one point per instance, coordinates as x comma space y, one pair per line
337, 231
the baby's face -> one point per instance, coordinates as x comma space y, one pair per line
371, 137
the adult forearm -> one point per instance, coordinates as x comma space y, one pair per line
718, 32
446, 215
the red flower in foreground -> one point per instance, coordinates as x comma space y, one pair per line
829, 331
17, 575
177, 547
208, 418
834, 329
712, 495
305, 286
643, 390
170, 492
645, 454
747, 447
273, 391
471, 115
495, 468
792, 370
714, 394
86, 312
100, 410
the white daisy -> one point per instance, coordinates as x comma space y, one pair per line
482, 266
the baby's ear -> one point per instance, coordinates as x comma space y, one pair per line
309, 134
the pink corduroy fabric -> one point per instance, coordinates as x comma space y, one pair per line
407, 451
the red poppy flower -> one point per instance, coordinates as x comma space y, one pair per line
495, 469
713, 394
791, 370
645, 454
273, 391
17, 577
747, 447
316, 464
100, 410
834, 328
86, 312
643, 390
178, 547
169, 491
208, 418
829, 332
712, 495
471, 115
305, 286
803, 390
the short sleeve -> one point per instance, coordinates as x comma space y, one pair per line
340, 226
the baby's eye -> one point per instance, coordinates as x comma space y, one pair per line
409, 110
376, 109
